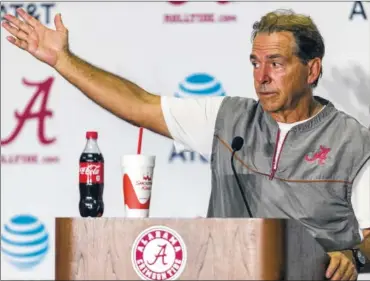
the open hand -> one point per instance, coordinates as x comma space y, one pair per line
43, 43
341, 267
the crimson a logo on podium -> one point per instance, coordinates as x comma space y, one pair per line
159, 253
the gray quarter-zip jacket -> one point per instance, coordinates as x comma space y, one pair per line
312, 182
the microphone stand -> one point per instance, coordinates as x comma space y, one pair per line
240, 186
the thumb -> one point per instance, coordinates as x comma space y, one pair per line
59, 23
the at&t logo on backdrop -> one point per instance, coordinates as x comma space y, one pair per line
159, 253
200, 84
41, 11
196, 85
24, 241
198, 17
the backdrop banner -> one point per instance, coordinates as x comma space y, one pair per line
158, 45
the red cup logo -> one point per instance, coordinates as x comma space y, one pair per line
159, 253
131, 199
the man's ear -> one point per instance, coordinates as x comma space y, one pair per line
314, 69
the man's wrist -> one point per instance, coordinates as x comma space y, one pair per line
64, 57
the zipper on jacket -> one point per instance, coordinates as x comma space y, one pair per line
273, 169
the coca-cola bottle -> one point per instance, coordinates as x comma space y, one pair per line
91, 178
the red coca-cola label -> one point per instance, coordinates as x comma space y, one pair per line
91, 172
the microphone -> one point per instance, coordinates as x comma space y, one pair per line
236, 145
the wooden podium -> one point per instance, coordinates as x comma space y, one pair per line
217, 249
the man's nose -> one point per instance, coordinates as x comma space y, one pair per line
263, 75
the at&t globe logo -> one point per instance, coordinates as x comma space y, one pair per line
196, 85
24, 241
200, 84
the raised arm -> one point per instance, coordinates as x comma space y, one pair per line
118, 95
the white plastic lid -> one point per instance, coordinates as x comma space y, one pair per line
138, 160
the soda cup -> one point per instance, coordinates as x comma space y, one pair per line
137, 177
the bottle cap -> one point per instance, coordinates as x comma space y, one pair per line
92, 135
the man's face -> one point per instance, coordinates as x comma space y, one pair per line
279, 75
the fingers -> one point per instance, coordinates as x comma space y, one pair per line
348, 275
341, 267
339, 273
18, 24
333, 266
28, 19
351, 271
19, 43
15, 31
19, 29
344, 271
23, 31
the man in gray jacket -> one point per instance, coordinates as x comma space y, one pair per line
293, 163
